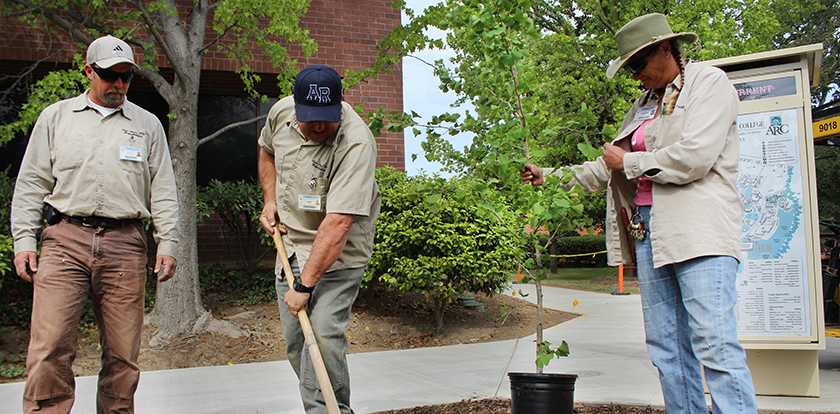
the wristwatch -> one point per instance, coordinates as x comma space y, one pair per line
300, 287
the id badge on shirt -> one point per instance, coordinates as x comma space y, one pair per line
309, 202
131, 153
644, 113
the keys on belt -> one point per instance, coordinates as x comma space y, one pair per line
103, 222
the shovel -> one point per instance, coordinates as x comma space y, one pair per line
308, 335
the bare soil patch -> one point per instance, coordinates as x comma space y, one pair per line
380, 322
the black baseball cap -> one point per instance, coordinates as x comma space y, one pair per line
317, 94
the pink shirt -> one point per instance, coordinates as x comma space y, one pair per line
644, 196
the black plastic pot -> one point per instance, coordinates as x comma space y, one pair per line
532, 393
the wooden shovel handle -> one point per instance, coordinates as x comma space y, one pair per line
309, 336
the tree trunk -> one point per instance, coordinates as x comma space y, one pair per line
538, 285
179, 310
438, 309
178, 307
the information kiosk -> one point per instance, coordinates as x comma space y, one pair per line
780, 312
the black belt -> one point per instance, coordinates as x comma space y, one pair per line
103, 222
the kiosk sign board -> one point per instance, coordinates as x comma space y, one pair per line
767, 88
773, 295
779, 308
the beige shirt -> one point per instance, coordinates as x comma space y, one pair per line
314, 179
692, 159
84, 164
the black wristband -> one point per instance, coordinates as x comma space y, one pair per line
300, 287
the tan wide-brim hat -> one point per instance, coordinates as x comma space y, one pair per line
640, 33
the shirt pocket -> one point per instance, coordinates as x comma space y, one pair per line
70, 151
133, 167
671, 128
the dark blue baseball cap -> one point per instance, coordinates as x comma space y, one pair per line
317, 94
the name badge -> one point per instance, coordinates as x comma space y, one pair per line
130, 153
309, 202
644, 113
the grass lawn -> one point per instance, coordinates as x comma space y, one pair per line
594, 279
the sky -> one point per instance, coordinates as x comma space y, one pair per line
422, 94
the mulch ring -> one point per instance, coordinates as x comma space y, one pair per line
502, 406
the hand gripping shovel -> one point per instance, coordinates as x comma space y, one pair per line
309, 337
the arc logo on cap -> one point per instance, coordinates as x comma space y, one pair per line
320, 95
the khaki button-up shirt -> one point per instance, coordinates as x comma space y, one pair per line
84, 164
692, 159
314, 179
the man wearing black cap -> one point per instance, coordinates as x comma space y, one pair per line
316, 167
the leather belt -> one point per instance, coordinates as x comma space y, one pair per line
100, 222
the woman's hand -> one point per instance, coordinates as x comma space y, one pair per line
614, 157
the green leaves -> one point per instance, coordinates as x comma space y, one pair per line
588, 150
12, 370
238, 204
6, 240
545, 353
57, 85
442, 237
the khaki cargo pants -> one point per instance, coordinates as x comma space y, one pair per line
330, 313
110, 266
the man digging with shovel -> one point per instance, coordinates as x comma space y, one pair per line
316, 166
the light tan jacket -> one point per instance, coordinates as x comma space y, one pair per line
84, 164
692, 159
337, 175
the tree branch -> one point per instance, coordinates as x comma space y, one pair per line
14, 15
432, 65
155, 30
228, 128
160, 83
602, 17
198, 27
218, 38
72, 29
519, 107
20, 77
79, 35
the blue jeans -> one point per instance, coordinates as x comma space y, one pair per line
690, 320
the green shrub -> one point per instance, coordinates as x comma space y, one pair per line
6, 242
442, 237
238, 204
581, 245
224, 285
6, 255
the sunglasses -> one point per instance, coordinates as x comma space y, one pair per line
640, 62
111, 76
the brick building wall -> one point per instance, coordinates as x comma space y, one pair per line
346, 31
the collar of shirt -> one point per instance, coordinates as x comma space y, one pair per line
80, 103
295, 125
671, 91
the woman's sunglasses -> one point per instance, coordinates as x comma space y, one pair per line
639, 63
111, 76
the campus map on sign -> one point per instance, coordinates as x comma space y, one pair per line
773, 297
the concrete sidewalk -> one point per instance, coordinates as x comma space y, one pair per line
608, 355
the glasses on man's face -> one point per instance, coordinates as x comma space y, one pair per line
639, 63
111, 76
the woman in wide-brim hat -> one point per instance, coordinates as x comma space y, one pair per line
672, 202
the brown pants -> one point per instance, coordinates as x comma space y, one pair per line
110, 266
